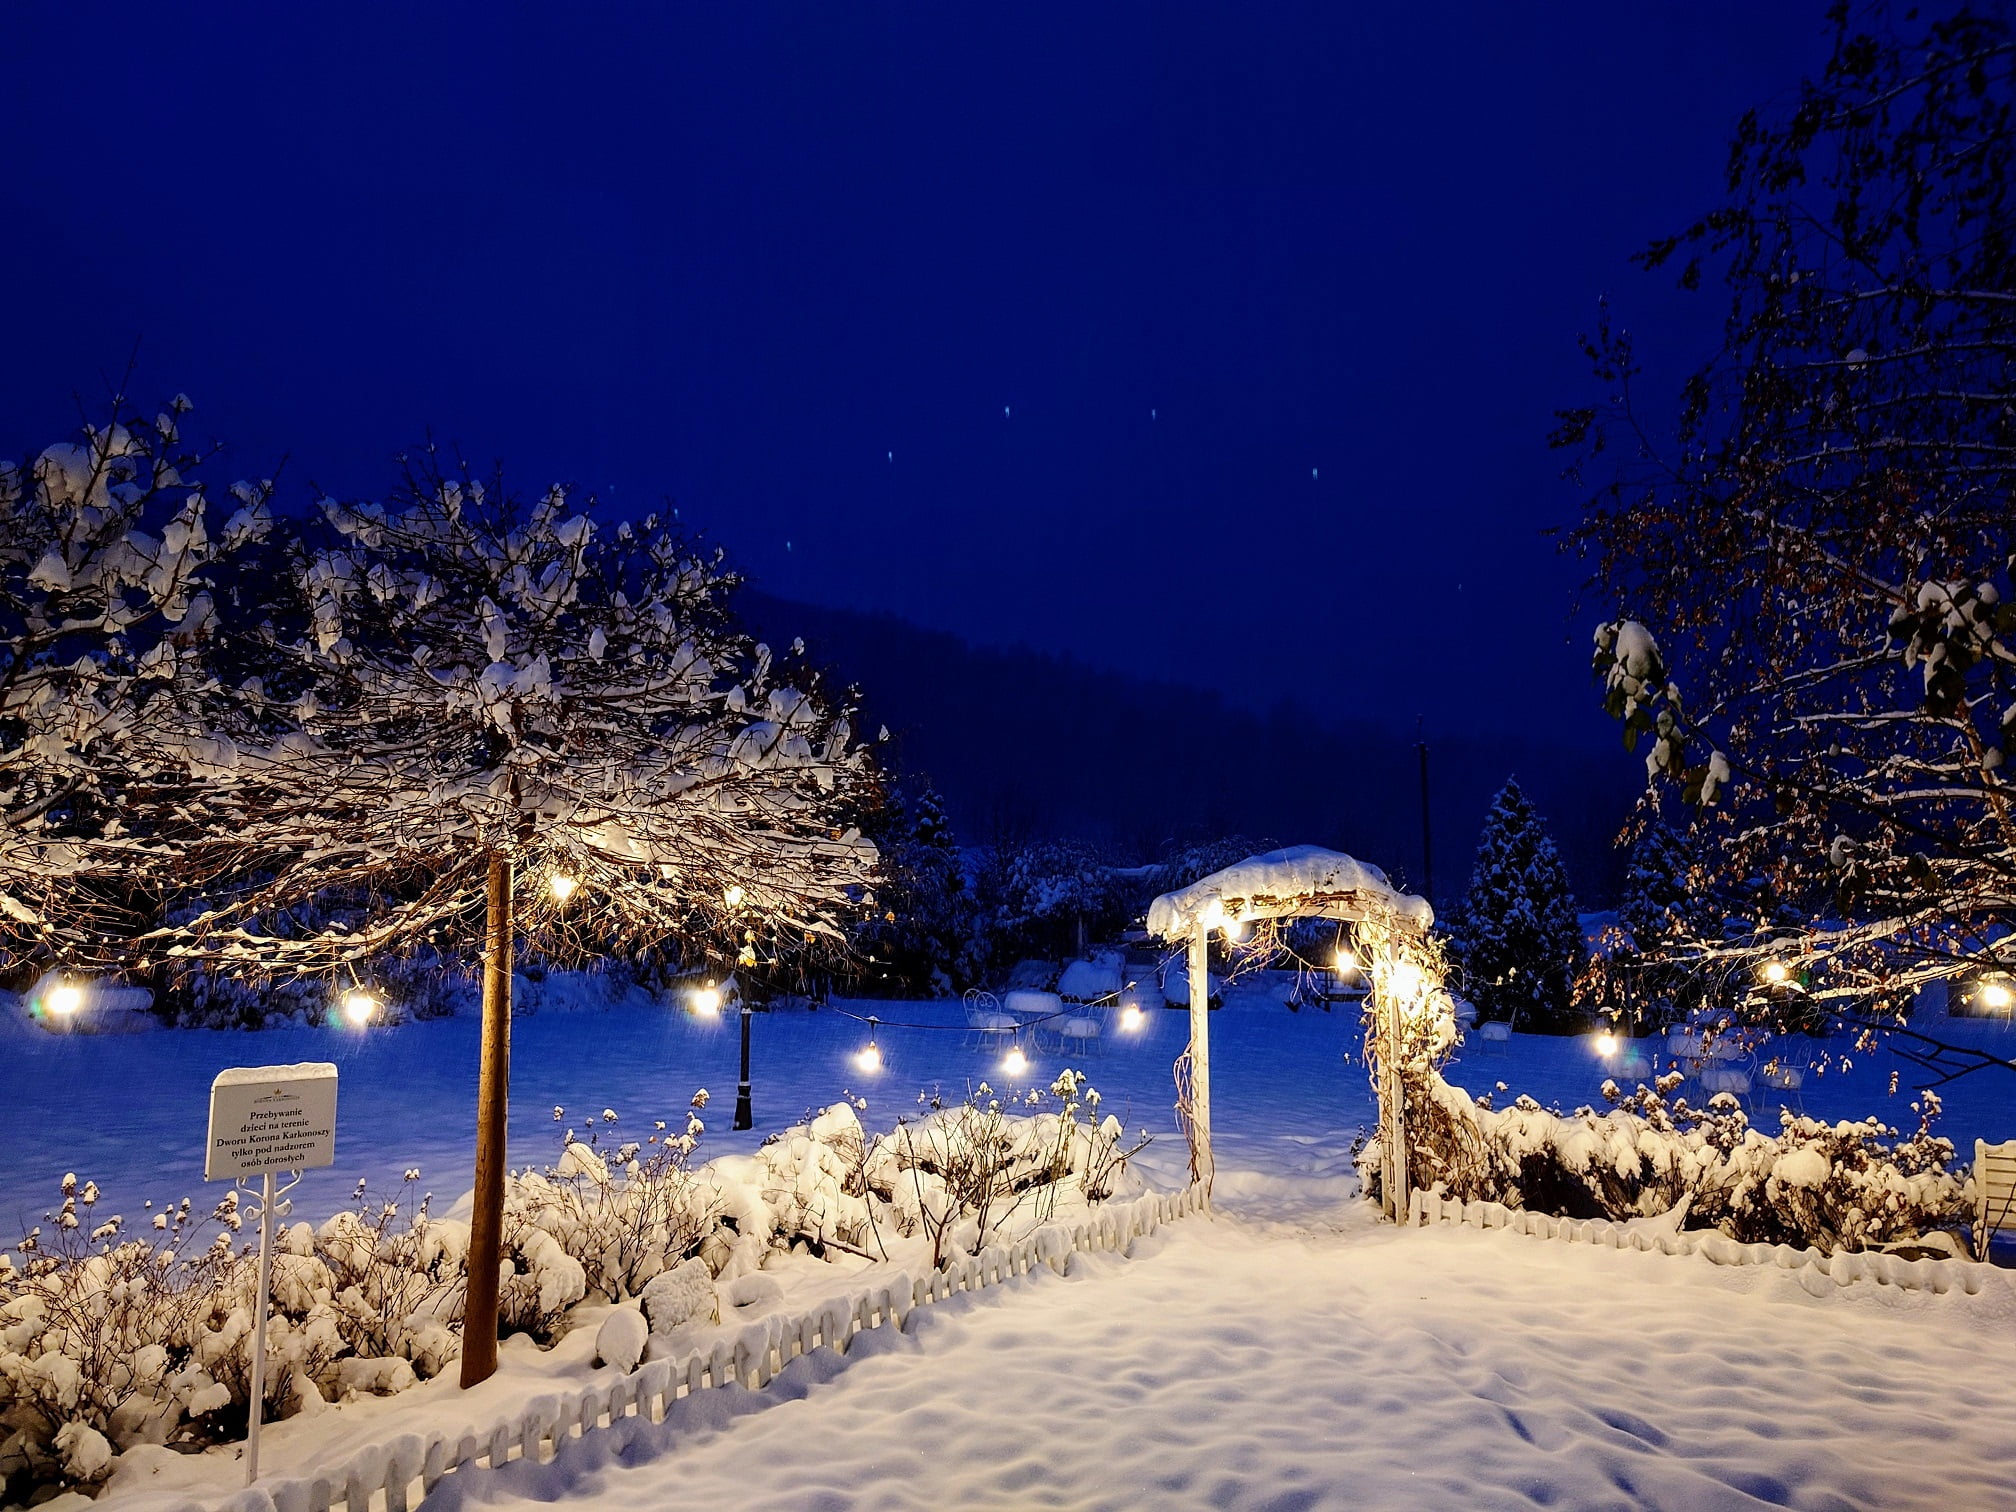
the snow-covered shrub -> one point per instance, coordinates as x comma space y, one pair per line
303, 1342
684, 1294
961, 1172
813, 1179
141, 1339
418, 984
1848, 1185
109, 1341
620, 1341
97, 1331
604, 1219
396, 1288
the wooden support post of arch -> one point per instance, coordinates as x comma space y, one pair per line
1200, 1058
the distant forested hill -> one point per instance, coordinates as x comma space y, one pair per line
1021, 743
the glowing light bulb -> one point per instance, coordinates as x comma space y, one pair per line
1776, 971
1235, 930
1606, 1043
562, 886
1406, 979
359, 1006
733, 897
707, 1000
1996, 995
1014, 1063
64, 999
1347, 960
1130, 1018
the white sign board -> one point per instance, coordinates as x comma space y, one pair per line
271, 1118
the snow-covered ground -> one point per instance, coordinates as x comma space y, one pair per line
127, 1111
1289, 1353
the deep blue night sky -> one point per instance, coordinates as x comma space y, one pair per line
740, 255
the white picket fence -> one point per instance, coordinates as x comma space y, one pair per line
386, 1477
1843, 1267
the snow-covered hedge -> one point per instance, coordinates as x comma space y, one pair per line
111, 1339
1839, 1186
421, 983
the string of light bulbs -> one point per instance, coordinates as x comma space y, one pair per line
868, 1059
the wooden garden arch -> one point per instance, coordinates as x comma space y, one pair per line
1305, 882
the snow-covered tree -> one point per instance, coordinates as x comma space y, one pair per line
1637, 972
106, 564
1810, 565
920, 933
468, 716
1659, 904
1185, 864
1045, 897
459, 677
1521, 944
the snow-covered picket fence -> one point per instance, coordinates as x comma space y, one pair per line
392, 1476
1842, 1267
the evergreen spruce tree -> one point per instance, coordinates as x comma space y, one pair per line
1656, 908
1521, 944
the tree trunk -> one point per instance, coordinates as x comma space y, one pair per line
486, 1219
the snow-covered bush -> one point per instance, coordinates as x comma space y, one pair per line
960, 1173
417, 984
396, 1287
96, 1331
108, 1341
1848, 1185
813, 1180
142, 1339
604, 1218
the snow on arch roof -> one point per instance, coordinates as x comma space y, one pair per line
1304, 880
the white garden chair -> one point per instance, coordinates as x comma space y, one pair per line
1994, 1192
987, 1022
1727, 1074
1078, 1033
1785, 1068
1495, 1035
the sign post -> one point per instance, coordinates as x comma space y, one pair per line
265, 1119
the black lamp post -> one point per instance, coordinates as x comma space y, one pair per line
743, 1118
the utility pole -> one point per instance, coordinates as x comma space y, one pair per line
1427, 846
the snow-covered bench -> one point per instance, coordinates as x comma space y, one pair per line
1496, 1033
1994, 1192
